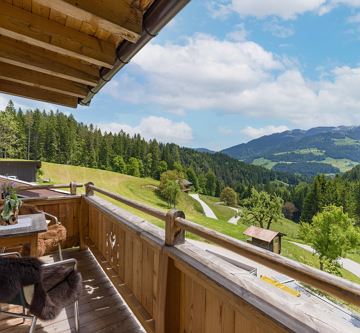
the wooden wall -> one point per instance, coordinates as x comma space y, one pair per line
67, 210
135, 261
203, 309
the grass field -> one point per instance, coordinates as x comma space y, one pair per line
143, 190
222, 212
264, 163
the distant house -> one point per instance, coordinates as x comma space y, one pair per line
23, 170
185, 185
266, 239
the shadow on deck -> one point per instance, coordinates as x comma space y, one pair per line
101, 308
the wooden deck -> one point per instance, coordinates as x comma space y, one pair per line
101, 308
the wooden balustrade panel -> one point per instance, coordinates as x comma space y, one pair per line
205, 311
134, 259
68, 212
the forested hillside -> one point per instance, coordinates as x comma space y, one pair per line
59, 138
327, 150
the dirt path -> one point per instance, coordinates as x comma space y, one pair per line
235, 218
207, 210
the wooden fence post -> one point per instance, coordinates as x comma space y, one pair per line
88, 190
168, 310
84, 223
173, 233
72, 188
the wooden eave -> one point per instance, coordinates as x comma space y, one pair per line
54, 50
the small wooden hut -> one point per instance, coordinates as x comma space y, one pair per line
185, 185
266, 239
21, 169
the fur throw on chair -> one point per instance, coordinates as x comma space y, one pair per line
54, 287
48, 240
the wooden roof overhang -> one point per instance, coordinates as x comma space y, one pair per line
65, 51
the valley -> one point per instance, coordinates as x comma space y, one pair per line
143, 190
326, 150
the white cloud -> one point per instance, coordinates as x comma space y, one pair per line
199, 74
254, 133
162, 129
277, 29
229, 76
238, 35
286, 10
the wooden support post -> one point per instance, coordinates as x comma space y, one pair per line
88, 190
72, 188
173, 298
173, 233
84, 223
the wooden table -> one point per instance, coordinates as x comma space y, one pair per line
26, 231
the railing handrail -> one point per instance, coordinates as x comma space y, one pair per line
176, 225
139, 206
48, 186
73, 186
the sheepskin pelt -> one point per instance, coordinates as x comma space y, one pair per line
16, 273
48, 241
55, 287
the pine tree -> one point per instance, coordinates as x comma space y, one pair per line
210, 183
191, 175
9, 132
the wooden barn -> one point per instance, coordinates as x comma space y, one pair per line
266, 239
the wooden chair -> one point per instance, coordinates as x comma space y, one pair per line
26, 294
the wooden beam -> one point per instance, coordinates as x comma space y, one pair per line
142, 4
43, 81
21, 25
47, 62
37, 94
116, 16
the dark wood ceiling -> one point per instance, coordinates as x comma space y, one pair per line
53, 50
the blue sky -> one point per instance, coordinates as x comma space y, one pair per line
224, 72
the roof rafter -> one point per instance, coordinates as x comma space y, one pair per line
116, 16
22, 25
51, 63
40, 80
21, 90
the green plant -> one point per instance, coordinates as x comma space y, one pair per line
262, 209
11, 204
332, 234
229, 196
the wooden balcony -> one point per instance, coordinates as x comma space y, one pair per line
101, 308
169, 284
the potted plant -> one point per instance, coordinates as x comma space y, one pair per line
11, 205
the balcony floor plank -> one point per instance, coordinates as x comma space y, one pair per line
101, 308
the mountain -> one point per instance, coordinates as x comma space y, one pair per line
204, 150
327, 150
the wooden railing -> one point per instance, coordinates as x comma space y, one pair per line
72, 186
66, 207
173, 286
